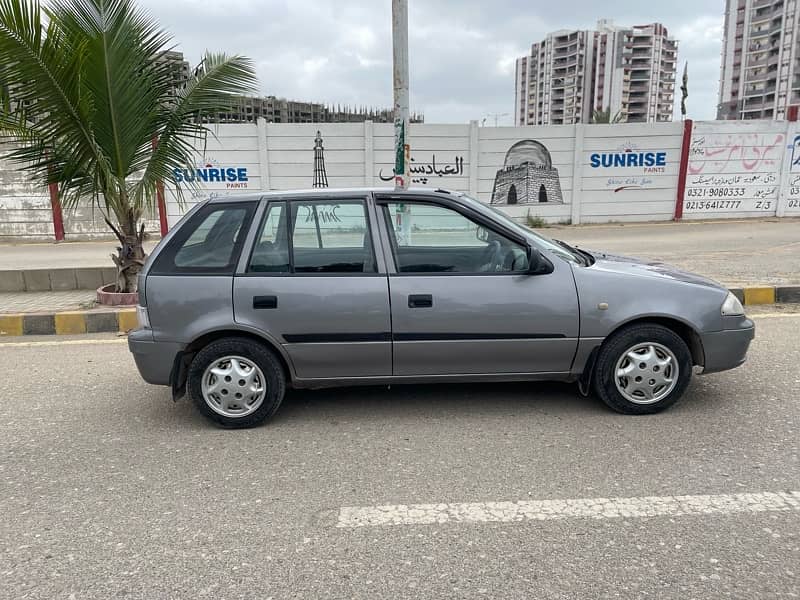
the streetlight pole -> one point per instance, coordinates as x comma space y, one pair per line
402, 149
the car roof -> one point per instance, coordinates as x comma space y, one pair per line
331, 192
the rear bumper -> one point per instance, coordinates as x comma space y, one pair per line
153, 359
727, 349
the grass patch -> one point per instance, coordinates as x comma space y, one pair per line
535, 222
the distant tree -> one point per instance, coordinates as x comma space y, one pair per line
604, 116
87, 91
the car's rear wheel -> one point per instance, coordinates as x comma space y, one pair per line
236, 382
642, 369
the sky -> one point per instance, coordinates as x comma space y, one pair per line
462, 52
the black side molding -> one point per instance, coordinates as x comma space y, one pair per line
445, 337
330, 338
265, 302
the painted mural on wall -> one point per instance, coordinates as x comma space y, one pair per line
736, 172
320, 174
429, 172
527, 176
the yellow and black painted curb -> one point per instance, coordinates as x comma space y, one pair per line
767, 294
68, 322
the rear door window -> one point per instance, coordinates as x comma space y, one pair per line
331, 237
271, 250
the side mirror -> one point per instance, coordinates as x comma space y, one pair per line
537, 264
482, 234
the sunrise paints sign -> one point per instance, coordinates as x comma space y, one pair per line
232, 177
629, 156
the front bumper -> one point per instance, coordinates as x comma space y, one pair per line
154, 359
727, 349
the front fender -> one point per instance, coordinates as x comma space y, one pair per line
610, 299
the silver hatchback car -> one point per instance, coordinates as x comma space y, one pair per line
250, 294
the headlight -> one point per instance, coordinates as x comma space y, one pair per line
732, 306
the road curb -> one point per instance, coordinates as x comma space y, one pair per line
68, 322
56, 280
760, 294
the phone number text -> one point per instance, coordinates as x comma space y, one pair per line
732, 192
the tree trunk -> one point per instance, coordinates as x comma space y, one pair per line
130, 255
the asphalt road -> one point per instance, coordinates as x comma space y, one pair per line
109, 490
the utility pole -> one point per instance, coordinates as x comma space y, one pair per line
402, 149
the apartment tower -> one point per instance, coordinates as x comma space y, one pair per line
760, 74
626, 70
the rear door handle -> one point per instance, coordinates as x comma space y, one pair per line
265, 302
420, 301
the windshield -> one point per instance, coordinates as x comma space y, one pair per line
544, 243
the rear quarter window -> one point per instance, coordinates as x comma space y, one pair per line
209, 243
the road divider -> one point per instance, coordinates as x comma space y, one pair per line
578, 508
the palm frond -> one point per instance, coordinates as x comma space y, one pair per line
85, 90
213, 88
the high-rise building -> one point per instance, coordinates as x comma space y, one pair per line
625, 70
635, 72
760, 74
554, 82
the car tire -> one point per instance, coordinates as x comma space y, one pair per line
642, 369
224, 375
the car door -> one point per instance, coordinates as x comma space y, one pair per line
313, 282
462, 301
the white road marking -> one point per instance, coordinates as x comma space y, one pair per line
123, 340
579, 508
775, 316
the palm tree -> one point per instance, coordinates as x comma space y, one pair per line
85, 90
604, 116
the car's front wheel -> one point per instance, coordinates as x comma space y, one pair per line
236, 382
642, 369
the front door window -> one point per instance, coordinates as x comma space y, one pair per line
434, 239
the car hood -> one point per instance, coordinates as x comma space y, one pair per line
648, 268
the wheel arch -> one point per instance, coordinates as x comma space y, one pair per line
684, 330
180, 369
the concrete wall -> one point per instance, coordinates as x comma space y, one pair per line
464, 158
735, 169
606, 173
24, 207
25, 210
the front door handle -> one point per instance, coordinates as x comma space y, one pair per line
420, 301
